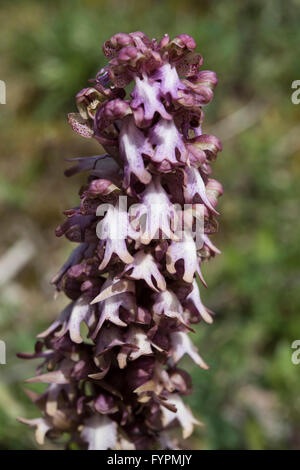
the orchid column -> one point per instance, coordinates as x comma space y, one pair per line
141, 231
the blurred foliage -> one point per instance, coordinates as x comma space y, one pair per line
250, 397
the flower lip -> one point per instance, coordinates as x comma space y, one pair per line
146, 93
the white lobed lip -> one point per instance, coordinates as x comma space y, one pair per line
147, 93
166, 138
195, 185
145, 267
132, 147
183, 249
169, 80
114, 229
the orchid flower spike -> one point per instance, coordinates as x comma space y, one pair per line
111, 359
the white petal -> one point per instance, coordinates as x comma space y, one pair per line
183, 415
182, 345
100, 432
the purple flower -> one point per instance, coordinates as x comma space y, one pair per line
100, 432
168, 306
109, 308
146, 93
155, 215
113, 231
194, 186
181, 345
183, 415
111, 359
170, 82
168, 144
195, 306
133, 146
185, 250
145, 267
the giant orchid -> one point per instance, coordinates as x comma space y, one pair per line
133, 278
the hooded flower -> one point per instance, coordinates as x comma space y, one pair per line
142, 228
109, 308
100, 433
113, 230
194, 304
146, 94
70, 320
183, 414
155, 217
133, 146
194, 186
181, 345
168, 145
145, 267
166, 306
170, 82
185, 250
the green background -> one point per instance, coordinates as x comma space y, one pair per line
249, 399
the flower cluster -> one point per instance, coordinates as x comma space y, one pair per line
132, 280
